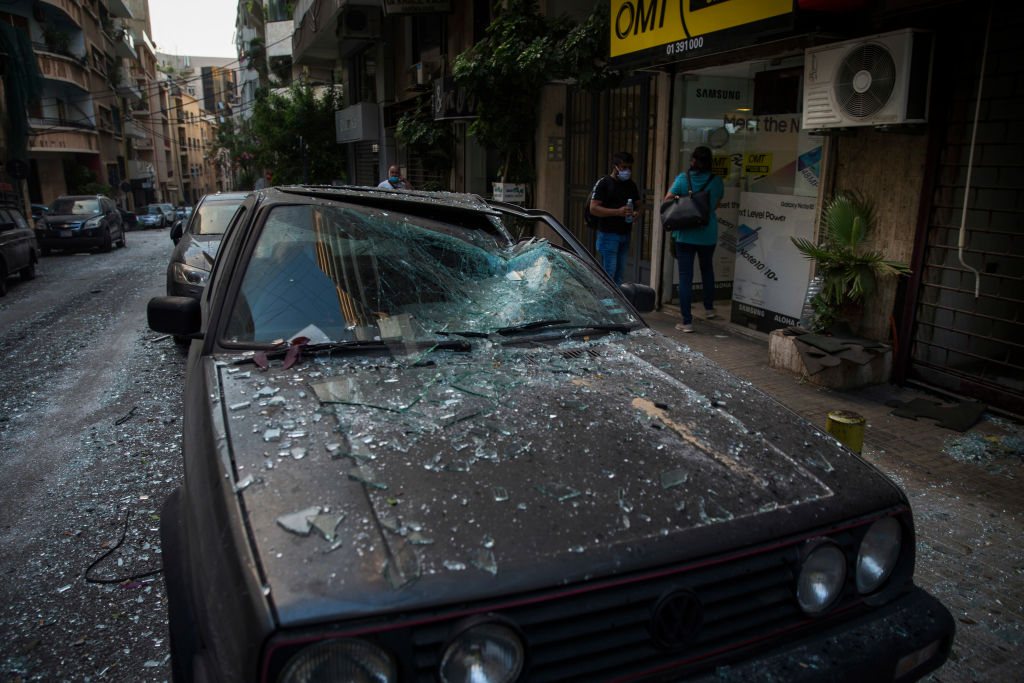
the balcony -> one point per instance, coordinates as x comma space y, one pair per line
68, 7
62, 68
81, 141
124, 44
139, 170
117, 8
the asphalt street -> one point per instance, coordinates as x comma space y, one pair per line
90, 446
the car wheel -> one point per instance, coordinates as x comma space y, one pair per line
28, 272
184, 640
107, 243
121, 244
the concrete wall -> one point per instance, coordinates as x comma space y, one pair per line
549, 190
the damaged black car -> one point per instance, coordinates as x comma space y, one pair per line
426, 438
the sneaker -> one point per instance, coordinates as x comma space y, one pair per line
710, 315
684, 327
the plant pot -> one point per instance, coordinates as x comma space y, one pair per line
509, 192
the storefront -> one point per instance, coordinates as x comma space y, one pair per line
746, 108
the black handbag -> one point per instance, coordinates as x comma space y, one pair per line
688, 212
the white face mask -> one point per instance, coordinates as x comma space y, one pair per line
624, 173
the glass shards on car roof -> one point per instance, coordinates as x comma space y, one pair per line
342, 273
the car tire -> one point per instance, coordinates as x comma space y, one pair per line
28, 272
107, 244
184, 638
121, 244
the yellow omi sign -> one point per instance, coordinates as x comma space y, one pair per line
638, 25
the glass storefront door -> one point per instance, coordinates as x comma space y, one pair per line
748, 115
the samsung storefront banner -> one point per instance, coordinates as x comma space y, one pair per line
771, 276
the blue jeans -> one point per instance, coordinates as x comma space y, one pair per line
685, 254
614, 250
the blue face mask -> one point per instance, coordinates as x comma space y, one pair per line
394, 179
624, 174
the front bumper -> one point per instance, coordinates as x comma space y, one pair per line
87, 238
901, 641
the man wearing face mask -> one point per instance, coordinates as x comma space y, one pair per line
395, 180
615, 201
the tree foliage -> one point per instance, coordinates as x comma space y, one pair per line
284, 127
506, 71
432, 140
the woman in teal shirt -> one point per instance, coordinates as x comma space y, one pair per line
700, 241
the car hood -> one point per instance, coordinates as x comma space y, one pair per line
197, 251
69, 217
372, 485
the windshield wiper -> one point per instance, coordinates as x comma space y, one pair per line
366, 344
512, 329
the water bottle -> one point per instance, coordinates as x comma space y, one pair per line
629, 210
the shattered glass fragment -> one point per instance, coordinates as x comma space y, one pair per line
483, 558
245, 483
298, 452
333, 449
417, 538
500, 494
456, 465
366, 476
403, 568
299, 522
711, 512
239, 406
450, 565
674, 478
268, 391
624, 503
488, 541
391, 524
276, 401
299, 434
326, 524
272, 435
560, 492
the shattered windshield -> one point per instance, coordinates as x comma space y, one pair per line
341, 273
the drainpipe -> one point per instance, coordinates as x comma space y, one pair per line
970, 161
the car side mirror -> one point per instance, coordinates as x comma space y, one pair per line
176, 232
641, 296
178, 315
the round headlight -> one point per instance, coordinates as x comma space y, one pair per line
340, 660
821, 578
879, 552
486, 653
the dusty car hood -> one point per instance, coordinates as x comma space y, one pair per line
372, 485
68, 218
197, 251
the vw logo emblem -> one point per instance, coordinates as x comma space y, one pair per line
676, 619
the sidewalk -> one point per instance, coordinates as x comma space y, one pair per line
964, 489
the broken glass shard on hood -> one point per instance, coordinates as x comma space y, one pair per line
403, 568
299, 522
366, 476
325, 524
560, 492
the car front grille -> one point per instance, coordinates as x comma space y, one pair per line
603, 631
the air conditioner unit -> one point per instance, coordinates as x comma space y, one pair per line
359, 22
426, 71
874, 81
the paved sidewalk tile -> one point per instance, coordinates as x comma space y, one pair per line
968, 504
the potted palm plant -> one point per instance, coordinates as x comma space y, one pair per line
846, 269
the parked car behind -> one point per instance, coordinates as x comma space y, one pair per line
183, 212
77, 222
39, 210
153, 216
198, 241
426, 438
19, 252
129, 219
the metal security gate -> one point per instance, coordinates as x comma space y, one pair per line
974, 345
619, 119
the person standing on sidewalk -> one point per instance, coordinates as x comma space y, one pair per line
699, 242
615, 201
395, 180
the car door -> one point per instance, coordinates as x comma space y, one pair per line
14, 240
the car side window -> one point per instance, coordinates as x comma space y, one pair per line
6, 222
19, 219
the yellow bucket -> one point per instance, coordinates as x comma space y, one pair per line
847, 427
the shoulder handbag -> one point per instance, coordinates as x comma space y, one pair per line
688, 212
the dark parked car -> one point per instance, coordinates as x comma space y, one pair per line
129, 219
19, 252
426, 438
154, 216
183, 212
78, 222
39, 210
198, 242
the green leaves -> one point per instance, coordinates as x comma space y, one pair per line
848, 272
